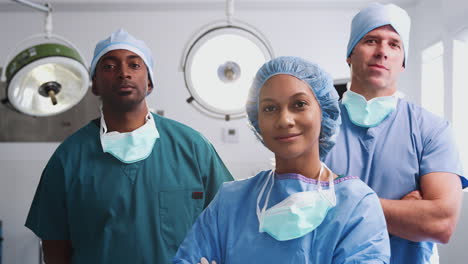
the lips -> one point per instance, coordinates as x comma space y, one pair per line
125, 87
287, 137
379, 66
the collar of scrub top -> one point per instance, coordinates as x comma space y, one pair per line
331, 200
104, 126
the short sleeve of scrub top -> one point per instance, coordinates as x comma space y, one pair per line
48, 216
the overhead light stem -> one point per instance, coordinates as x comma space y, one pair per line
48, 24
44, 8
229, 11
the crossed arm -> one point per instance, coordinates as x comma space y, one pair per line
430, 214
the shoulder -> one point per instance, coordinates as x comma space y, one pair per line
428, 124
86, 137
352, 189
172, 129
423, 116
241, 189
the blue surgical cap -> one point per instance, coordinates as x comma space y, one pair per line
121, 39
377, 15
319, 82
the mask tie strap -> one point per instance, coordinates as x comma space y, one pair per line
332, 197
260, 213
103, 128
319, 185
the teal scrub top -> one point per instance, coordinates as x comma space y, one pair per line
393, 156
114, 212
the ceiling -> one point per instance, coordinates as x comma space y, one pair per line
136, 5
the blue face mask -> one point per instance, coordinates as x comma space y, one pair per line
298, 214
370, 113
132, 146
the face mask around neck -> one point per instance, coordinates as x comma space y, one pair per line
131, 146
297, 215
370, 113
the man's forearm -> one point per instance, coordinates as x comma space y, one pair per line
428, 214
420, 220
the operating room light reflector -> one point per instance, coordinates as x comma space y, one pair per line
24, 88
221, 66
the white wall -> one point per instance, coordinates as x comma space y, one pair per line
318, 34
439, 21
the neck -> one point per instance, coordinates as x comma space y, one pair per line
125, 121
306, 165
369, 91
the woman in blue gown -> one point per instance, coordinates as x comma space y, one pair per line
300, 211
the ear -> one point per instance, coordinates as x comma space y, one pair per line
93, 87
150, 86
348, 60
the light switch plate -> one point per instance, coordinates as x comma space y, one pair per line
230, 135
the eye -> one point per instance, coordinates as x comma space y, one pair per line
395, 45
300, 104
269, 108
108, 66
370, 41
135, 65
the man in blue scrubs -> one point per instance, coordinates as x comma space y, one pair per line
128, 186
404, 153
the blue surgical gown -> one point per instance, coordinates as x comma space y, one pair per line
392, 157
114, 212
227, 231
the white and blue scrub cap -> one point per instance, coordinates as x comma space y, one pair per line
377, 15
121, 39
321, 84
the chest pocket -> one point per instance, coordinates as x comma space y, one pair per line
178, 211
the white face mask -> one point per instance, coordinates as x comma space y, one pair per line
132, 146
298, 214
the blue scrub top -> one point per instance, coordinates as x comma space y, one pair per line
114, 212
228, 230
392, 157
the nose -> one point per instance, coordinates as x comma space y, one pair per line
124, 72
381, 52
285, 119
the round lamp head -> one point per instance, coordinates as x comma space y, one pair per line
46, 79
220, 67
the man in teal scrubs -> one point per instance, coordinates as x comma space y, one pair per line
128, 186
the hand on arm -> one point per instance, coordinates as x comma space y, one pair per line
430, 214
57, 251
205, 261
414, 195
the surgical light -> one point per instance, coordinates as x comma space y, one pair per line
47, 78
220, 63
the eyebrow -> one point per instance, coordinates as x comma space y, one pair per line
292, 96
115, 58
370, 36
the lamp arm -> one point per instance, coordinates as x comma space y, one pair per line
43, 8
